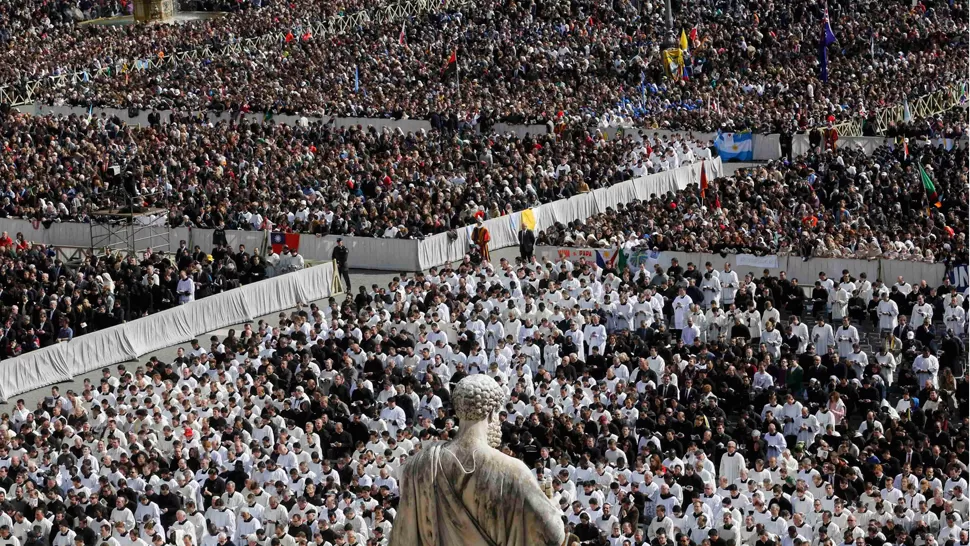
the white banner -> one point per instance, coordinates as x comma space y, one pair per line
750, 260
129, 341
440, 249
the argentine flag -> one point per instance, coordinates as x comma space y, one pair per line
734, 146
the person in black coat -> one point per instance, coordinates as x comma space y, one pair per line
815, 138
340, 255
785, 140
169, 503
212, 488
586, 532
794, 298
820, 298
952, 356
527, 243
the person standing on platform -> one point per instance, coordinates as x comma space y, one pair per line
340, 255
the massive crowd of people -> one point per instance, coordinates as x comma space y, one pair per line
679, 406
751, 65
317, 178
756, 417
841, 204
48, 38
44, 301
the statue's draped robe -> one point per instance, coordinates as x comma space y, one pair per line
501, 495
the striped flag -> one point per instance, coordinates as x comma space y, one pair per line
931, 196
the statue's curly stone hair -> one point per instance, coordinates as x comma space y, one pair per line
477, 396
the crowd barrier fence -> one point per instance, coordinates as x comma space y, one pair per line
64, 361
768, 147
395, 254
444, 248
141, 119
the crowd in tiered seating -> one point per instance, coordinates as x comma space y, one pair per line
317, 178
841, 204
750, 65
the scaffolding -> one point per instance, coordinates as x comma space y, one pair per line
126, 228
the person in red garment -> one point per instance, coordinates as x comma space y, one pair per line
481, 237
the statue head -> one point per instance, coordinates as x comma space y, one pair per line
479, 398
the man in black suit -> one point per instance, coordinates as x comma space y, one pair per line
527, 243
666, 390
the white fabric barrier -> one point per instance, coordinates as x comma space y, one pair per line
913, 271
164, 328
218, 311
801, 146
64, 361
264, 297
317, 283
766, 147
441, 249
794, 267
33, 371
365, 252
519, 130
96, 350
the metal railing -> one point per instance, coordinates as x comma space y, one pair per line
928, 105
31, 91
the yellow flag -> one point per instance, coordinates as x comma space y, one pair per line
683, 40
528, 218
673, 62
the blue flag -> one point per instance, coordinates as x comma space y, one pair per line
734, 146
356, 79
828, 38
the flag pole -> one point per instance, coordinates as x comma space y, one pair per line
457, 72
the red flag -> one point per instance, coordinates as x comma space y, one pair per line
693, 34
402, 39
278, 240
452, 64
703, 182
289, 37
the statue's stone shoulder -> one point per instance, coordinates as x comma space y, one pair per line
421, 460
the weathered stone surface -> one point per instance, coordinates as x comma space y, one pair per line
467, 492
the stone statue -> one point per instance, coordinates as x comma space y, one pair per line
466, 492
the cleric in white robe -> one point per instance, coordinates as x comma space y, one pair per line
888, 311
732, 463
